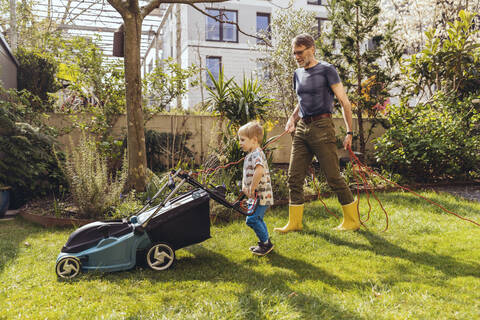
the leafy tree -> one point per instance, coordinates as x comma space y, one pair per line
367, 73
414, 17
93, 84
165, 83
448, 64
36, 73
277, 59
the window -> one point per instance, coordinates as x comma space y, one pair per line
214, 64
476, 23
373, 43
317, 2
220, 31
263, 26
262, 71
318, 31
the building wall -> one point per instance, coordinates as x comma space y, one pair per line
238, 59
8, 66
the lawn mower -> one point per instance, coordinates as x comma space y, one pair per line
150, 235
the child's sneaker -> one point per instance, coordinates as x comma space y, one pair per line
254, 247
262, 248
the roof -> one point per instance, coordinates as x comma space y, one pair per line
92, 18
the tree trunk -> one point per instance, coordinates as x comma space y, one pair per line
178, 49
137, 159
361, 135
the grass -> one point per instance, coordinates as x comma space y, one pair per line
426, 266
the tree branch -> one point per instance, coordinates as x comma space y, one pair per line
66, 12
152, 5
120, 5
290, 4
267, 41
80, 13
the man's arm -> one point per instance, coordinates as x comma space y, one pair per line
292, 120
339, 92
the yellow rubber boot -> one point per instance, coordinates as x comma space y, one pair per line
351, 220
295, 214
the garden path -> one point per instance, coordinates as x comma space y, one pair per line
469, 192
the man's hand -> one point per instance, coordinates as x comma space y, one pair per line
290, 126
347, 143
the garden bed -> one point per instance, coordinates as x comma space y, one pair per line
49, 213
52, 221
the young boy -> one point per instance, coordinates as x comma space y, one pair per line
256, 177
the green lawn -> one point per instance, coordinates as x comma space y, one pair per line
426, 266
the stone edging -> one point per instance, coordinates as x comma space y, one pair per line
49, 221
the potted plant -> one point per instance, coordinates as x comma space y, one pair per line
4, 199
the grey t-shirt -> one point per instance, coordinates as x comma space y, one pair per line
313, 88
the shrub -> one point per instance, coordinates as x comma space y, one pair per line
279, 183
94, 190
27, 159
165, 149
431, 141
36, 73
125, 208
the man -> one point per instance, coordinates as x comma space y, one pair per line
316, 83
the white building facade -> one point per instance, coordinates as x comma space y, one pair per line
190, 37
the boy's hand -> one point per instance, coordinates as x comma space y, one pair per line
248, 192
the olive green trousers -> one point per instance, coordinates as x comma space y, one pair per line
316, 139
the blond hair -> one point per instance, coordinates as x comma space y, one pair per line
253, 129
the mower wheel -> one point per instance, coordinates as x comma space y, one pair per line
68, 267
160, 256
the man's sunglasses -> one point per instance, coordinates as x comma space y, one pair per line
300, 52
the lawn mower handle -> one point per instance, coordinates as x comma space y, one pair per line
215, 195
161, 205
149, 202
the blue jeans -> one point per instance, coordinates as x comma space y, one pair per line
255, 221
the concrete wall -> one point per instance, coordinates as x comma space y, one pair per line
205, 132
8, 66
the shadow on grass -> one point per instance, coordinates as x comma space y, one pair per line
380, 246
12, 236
208, 266
273, 284
408, 200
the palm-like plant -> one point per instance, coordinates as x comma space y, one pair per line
250, 103
219, 93
238, 103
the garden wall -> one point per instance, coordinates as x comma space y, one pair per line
205, 131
